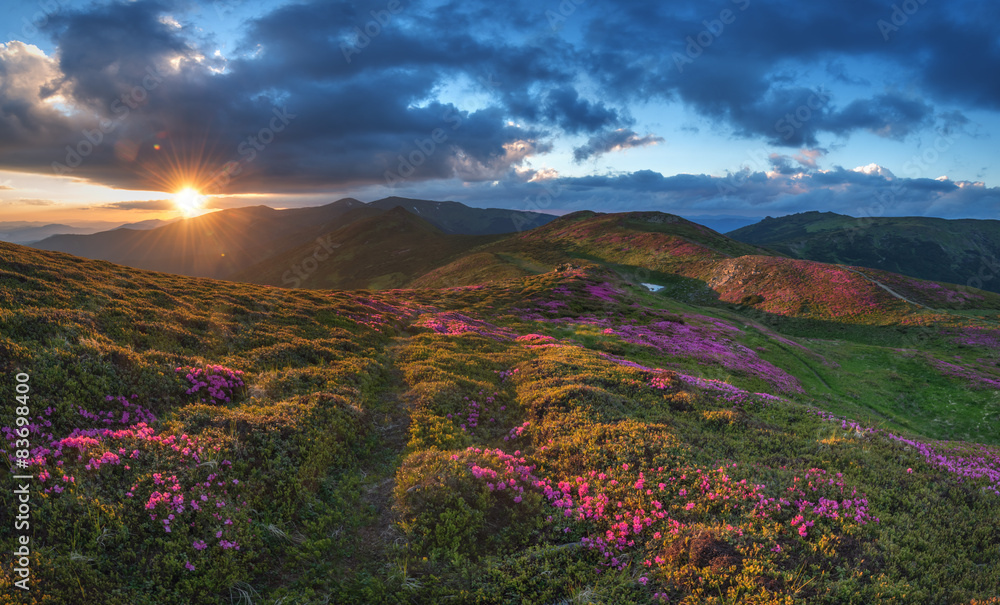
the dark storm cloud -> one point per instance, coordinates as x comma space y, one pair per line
300, 114
748, 72
563, 106
614, 140
347, 94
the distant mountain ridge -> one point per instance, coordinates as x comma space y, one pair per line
371, 251
959, 251
222, 244
28, 232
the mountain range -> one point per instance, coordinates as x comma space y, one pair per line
276, 247
965, 252
607, 408
28, 232
229, 242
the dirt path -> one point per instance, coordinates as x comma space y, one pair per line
886, 288
392, 421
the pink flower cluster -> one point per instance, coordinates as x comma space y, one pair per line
210, 500
661, 381
517, 431
604, 292
506, 374
845, 424
133, 412
167, 501
552, 305
453, 324
699, 338
979, 337
474, 410
706, 345
616, 524
537, 340
966, 460
975, 379
816, 484
220, 383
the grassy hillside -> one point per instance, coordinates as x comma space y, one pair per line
378, 252
697, 265
560, 437
962, 252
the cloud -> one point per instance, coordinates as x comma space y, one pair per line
303, 104
764, 65
129, 78
613, 140
564, 107
782, 164
875, 192
887, 115
140, 205
807, 157
23, 201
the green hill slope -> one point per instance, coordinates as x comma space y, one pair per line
961, 252
696, 264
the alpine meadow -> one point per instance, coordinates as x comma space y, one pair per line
531, 302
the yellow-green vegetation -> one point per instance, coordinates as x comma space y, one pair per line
557, 437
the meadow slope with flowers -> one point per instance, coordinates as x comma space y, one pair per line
545, 437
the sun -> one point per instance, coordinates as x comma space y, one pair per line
189, 201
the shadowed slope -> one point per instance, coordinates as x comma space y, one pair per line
379, 252
212, 245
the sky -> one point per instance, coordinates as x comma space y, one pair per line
119, 111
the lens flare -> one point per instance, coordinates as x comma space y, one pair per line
189, 201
